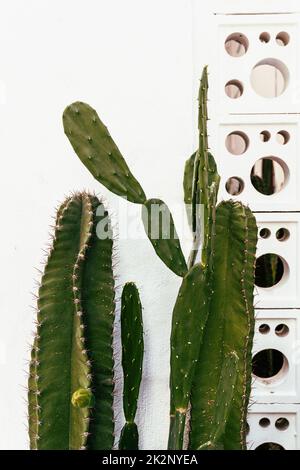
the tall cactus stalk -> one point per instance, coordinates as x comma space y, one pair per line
71, 371
132, 362
213, 317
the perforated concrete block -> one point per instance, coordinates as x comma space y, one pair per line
245, 147
278, 278
257, 59
276, 357
274, 427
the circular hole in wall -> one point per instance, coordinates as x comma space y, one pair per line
282, 137
264, 37
269, 78
269, 364
265, 233
269, 270
282, 424
283, 38
264, 422
237, 142
264, 329
234, 89
282, 330
282, 234
265, 136
269, 175
234, 185
236, 44
247, 428
270, 446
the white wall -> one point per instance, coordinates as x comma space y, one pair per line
133, 61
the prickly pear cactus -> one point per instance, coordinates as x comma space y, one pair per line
71, 370
98, 152
132, 362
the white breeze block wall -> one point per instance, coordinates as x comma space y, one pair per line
254, 110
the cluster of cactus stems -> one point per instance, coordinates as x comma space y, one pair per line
72, 368
71, 375
213, 317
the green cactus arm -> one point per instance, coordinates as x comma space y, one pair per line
229, 327
160, 229
61, 361
98, 305
96, 149
132, 348
205, 181
132, 361
189, 319
224, 396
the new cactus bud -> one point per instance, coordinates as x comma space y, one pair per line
83, 398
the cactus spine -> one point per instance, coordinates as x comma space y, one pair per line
72, 352
132, 362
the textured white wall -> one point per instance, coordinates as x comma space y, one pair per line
133, 61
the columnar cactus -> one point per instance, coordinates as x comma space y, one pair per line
213, 317
132, 362
71, 372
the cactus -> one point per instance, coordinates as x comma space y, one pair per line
132, 362
213, 317
225, 249
71, 371
229, 328
98, 152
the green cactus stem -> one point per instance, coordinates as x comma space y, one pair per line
229, 328
189, 319
132, 362
72, 351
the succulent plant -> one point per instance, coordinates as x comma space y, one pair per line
71, 371
213, 317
